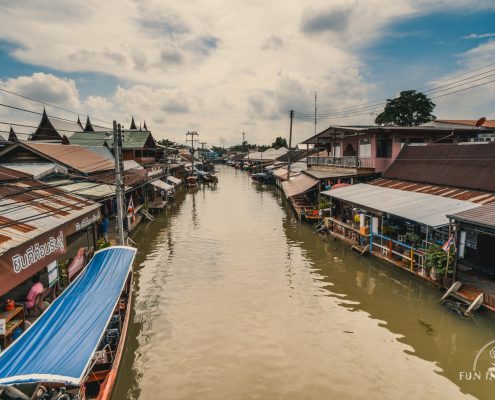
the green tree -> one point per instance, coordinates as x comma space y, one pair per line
411, 108
279, 142
166, 142
219, 150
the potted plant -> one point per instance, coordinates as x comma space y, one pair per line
436, 259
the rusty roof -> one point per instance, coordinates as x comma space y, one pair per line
12, 175
469, 166
79, 158
472, 196
483, 216
489, 123
30, 208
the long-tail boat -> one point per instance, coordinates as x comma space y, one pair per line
73, 350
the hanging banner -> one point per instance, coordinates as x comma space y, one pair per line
52, 269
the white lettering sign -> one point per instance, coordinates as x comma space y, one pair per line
37, 252
87, 221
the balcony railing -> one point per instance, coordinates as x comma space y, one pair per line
346, 162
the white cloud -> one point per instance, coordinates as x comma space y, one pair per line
224, 67
479, 36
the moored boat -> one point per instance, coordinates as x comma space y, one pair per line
192, 182
73, 351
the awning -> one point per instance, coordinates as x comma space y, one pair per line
298, 184
423, 208
60, 345
174, 180
36, 221
162, 185
281, 173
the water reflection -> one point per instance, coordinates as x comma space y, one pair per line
237, 299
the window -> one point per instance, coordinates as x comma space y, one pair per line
384, 148
365, 148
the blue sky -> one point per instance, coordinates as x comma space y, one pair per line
183, 66
415, 50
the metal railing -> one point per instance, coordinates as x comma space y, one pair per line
346, 162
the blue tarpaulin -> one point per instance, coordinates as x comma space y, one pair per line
60, 345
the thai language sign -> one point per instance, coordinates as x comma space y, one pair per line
38, 251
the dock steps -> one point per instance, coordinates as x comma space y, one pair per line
360, 249
453, 288
472, 307
147, 215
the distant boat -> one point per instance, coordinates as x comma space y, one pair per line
73, 350
192, 182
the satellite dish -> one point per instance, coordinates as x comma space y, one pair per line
480, 122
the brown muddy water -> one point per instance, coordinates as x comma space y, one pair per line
235, 299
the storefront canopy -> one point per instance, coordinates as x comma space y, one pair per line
174, 180
60, 345
298, 184
162, 185
423, 208
34, 224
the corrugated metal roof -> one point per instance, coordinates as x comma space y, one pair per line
298, 184
131, 164
39, 171
79, 158
473, 196
424, 208
483, 216
91, 138
10, 174
470, 166
90, 190
27, 212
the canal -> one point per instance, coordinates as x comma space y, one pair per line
235, 299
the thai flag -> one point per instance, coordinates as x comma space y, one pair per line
448, 243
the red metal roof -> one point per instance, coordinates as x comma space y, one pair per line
473, 196
12, 175
470, 166
489, 123
79, 158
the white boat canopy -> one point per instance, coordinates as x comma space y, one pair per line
162, 185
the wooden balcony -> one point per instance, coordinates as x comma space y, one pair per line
345, 162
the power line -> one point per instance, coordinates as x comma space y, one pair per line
374, 105
50, 105
353, 114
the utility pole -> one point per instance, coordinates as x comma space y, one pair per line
119, 191
192, 140
290, 144
243, 140
203, 152
315, 113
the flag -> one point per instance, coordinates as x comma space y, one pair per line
448, 243
130, 210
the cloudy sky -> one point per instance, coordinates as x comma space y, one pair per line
223, 67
